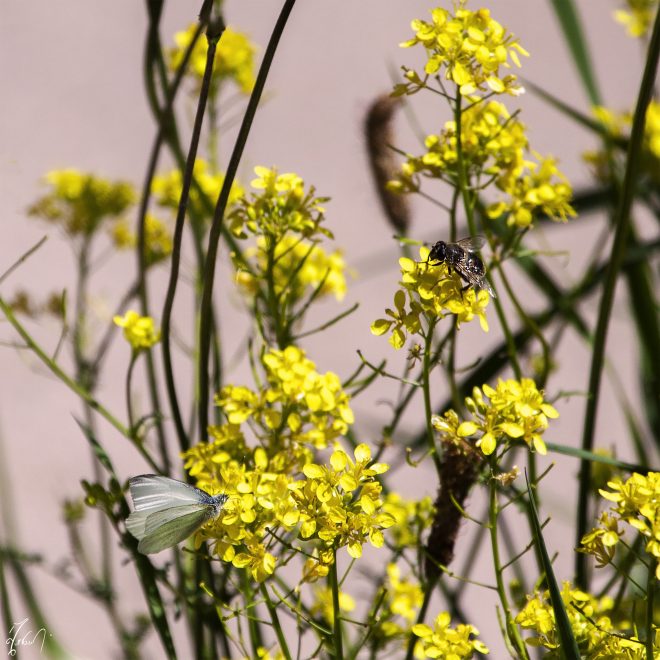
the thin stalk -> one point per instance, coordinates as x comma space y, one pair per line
336, 628
650, 597
276, 622
184, 441
511, 629
426, 386
218, 216
619, 245
129, 398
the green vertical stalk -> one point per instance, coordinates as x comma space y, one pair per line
618, 252
512, 631
426, 385
276, 622
218, 216
650, 598
336, 628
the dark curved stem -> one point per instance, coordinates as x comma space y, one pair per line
218, 216
184, 441
619, 246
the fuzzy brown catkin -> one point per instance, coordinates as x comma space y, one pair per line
379, 136
458, 474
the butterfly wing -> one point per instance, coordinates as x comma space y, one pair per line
163, 529
151, 492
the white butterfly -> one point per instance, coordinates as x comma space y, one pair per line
168, 511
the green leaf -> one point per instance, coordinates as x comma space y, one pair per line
572, 28
585, 455
568, 644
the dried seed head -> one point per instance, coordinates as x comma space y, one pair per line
379, 136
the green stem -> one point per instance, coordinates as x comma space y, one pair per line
619, 246
650, 597
512, 631
337, 631
218, 216
129, 400
426, 386
276, 622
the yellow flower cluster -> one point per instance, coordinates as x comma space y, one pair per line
590, 622
411, 517
494, 148
637, 17
334, 506
618, 125
443, 641
158, 239
471, 46
432, 293
637, 506
515, 410
324, 607
282, 206
139, 331
80, 202
166, 189
234, 57
301, 405
297, 268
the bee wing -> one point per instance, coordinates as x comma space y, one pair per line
151, 492
472, 243
477, 281
163, 529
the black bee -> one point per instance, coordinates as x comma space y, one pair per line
462, 257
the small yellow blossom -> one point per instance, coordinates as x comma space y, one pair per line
234, 57
297, 269
139, 331
470, 46
411, 517
80, 202
323, 604
637, 17
158, 239
443, 641
167, 188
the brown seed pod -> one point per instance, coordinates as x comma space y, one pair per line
379, 136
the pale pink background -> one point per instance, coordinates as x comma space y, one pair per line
71, 75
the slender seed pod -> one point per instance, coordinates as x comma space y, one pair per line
379, 137
458, 474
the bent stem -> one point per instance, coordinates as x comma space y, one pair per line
276, 622
428, 410
336, 628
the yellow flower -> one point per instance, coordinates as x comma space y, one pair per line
158, 239
234, 57
297, 268
80, 202
411, 517
139, 331
443, 641
405, 597
323, 604
470, 46
166, 189
638, 16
